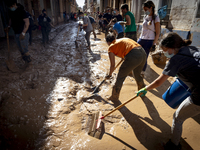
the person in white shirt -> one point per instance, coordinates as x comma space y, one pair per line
150, 30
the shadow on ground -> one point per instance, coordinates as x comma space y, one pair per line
147, 136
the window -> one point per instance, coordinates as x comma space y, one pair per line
166, 19
198, 11
142, 11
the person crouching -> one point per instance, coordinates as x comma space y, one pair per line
134, 59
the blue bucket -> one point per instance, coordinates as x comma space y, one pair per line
176, 93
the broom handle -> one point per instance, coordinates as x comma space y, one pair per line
78, 30
8, 45
118, 64
120, 106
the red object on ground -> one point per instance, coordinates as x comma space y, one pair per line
39, 27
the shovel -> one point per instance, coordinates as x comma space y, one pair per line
9, 62
96, 89
77, 37
96, 125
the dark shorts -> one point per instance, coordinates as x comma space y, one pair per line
120, 35
132, 35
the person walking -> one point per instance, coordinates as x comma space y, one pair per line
150, 30
134, 59
64, 16
100, 18
87, 26
184, 63
44, 22
19, 21
31, 22
130, 31
117, 15
117, 28
93, 22
107, 18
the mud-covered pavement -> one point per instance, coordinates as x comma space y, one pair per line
47, 105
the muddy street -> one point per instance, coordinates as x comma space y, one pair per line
47, 106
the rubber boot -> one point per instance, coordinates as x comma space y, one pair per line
115, 94
27, 58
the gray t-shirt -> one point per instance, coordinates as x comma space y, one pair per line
186, 64
86, 20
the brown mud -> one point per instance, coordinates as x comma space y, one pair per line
47, 105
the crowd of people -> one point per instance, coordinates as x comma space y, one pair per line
121, 36
123, 43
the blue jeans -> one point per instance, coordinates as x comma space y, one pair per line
23, 46
146, 44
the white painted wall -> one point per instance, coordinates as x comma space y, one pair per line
196, 21
182, 14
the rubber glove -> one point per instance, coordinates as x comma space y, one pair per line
153, 48
142, 92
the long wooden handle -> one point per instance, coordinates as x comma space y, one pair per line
120, 106
78, 30
118, 64
8, 45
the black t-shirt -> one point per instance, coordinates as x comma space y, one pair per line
17, 19
44, 21
100, 16
186, 64
119, 17
108, 17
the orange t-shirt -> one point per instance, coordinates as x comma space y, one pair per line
121, 47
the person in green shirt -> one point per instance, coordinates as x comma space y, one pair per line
130, 31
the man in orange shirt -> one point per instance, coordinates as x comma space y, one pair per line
134, 59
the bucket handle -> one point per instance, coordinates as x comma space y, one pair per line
188, 90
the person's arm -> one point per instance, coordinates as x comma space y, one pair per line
158, 82
26, 25
157, 29
48, 19
115, 31
112, 63
9, 23
128, 20
109, 23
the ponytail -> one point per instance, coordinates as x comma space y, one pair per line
186, 42
173, 40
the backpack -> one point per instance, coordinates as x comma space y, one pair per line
162, 12
91, 19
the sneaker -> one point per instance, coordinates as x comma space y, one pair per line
171, 146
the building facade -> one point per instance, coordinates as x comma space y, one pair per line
54, 8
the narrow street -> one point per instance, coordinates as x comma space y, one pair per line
47, 106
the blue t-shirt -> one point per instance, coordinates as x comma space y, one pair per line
117, 26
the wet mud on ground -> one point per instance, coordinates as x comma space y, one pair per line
47, 105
